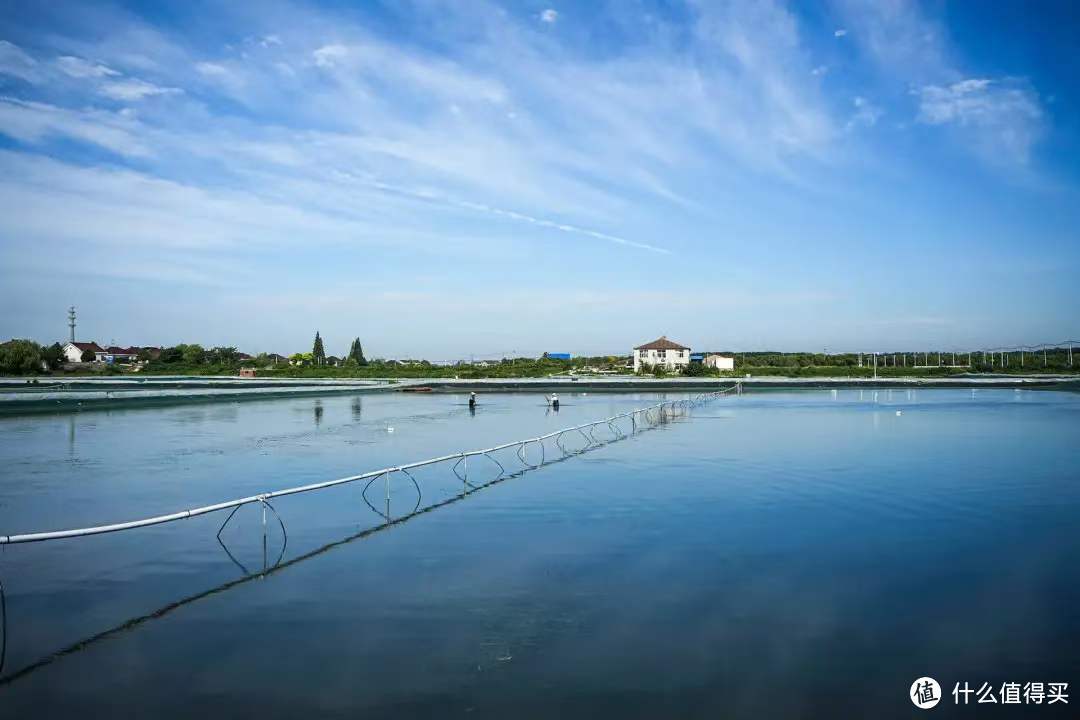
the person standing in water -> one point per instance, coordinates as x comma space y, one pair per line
553, 401
472, 401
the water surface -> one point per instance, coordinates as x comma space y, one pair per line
783, 554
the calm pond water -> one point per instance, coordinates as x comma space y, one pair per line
776, 554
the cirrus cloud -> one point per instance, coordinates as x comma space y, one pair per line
1001, 116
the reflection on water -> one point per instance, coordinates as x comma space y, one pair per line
778, 555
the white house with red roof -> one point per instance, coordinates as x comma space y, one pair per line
73, 351
671, 355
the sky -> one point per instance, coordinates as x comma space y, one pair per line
470, 179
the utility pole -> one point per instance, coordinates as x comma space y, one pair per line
71, 321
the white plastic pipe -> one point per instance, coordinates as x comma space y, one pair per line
184, 514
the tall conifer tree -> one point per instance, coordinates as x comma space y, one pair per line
356, 352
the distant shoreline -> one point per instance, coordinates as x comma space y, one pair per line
55, 395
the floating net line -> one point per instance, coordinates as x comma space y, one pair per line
618, 427
632, 422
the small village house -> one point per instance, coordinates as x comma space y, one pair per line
115, 354
73, 351
661, 352
719, 362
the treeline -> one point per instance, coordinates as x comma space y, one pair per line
379, 368
26, 357
195, 354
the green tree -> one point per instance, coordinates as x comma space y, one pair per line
356, 353
222, 355
88, 356
192, 354
18, 357
171, 354
695, 370
318, 354
53, 355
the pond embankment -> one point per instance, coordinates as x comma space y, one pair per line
35, 395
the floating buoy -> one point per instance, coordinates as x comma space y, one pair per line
898, 413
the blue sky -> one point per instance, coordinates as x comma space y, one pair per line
446, 179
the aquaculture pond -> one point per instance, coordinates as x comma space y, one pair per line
770, 554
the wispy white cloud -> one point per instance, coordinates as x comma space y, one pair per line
212, 69
1002, 117
133, 89
839, 32
33, 122
547, 134
77, 67
329, 56
17, 63
562, 227
898, 38
549, 15
866, 114
758, 45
